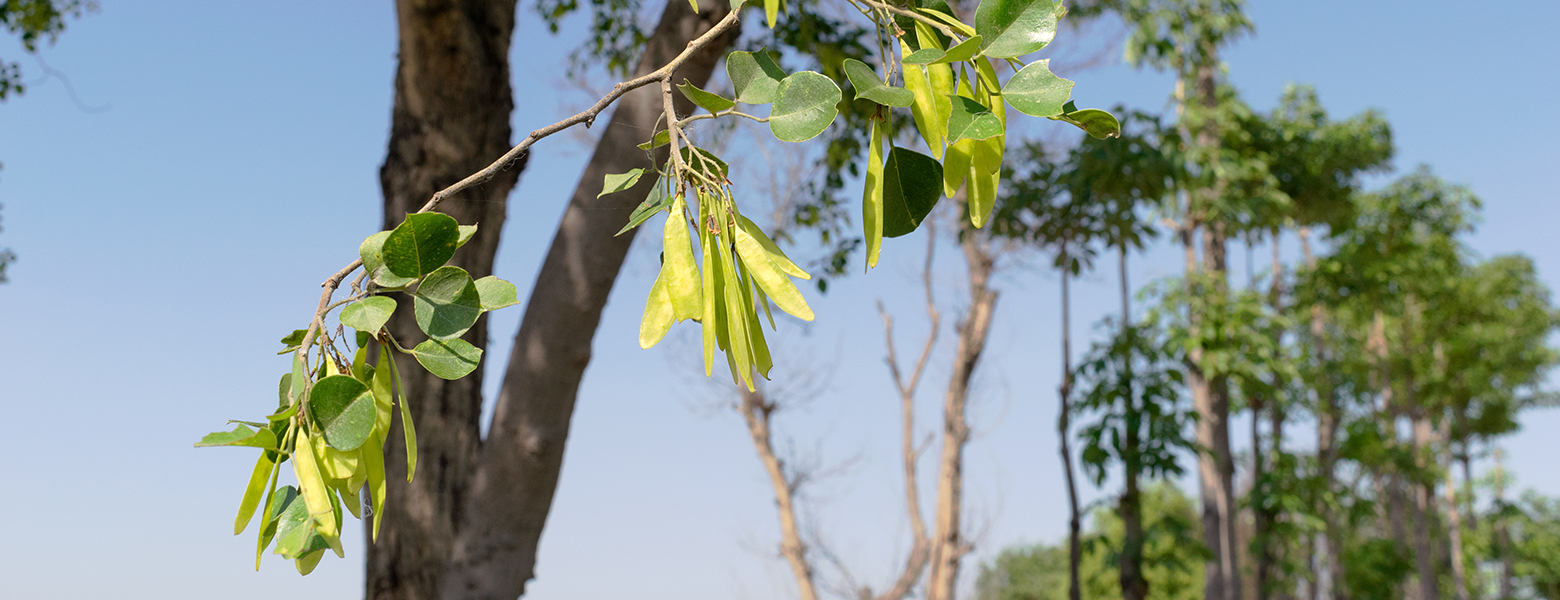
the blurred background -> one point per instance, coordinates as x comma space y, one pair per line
178, 177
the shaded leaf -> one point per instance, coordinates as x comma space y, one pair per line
912, 184
971, 120
1036, 91
466, 233
755, 76
806, 105
869, 87
369, 314
241, 435
655, 202
447, 303
1097, 123
496, 293
343, 409
617, 182
706, 100
448, 359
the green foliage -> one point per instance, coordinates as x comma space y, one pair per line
1376, 569
1174, 557
33, 21
334, 411
1132, 389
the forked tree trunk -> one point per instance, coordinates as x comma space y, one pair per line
451, 118
1134, 585
948, 543
1064, 432
512, 490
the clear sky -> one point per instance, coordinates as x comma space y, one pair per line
175, 218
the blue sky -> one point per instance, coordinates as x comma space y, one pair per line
228, 161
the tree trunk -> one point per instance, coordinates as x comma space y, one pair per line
756, 410
451, 118
948, 543
1454, 520
1134, 586
512, 489
1327, 423
1217, 465
1064, 432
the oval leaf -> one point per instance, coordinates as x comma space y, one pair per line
447, 303
805, 107
1013, 28
420, 244
466, 232
656, 202
1036, 91
343, 408
1096, 122
368, 314
755, 77
964, 51
869, 87
448, 359
496, 293
971, 120
924, 56
912, 184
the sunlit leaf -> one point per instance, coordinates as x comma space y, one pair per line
869, 87
706, 100
1014, 28
420, 244
1036, 91
448, 359
755, 76
806, 105
447, 303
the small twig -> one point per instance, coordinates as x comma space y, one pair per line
933, 23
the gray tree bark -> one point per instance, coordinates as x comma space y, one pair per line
469, 524
512, 488
451, 118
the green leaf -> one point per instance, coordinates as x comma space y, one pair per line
447, 303
307, 562
293, 340
971, 120
806, 106
372, 253
872, 196
661, 138
496, 293
925, 56
252, 493
421, 243
617, 182
755, 76
656, 202
369, 314
940, 11
771, 10
1014, 28
407, 427
466, 232
300, 378
1096, 122
964, 51
912, 184
343, 408
706, 100
1036, 91
448, 359
241, 435
869, 87
291, 519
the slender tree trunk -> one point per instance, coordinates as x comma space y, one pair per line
948, 543
1134, 586
450, 119
1507, 573
1423, 510
1217, 466
1261, 523
1454, 520
756, 410
512, 489
1327, 423
1064, 432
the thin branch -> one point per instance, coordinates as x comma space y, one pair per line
587, 116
